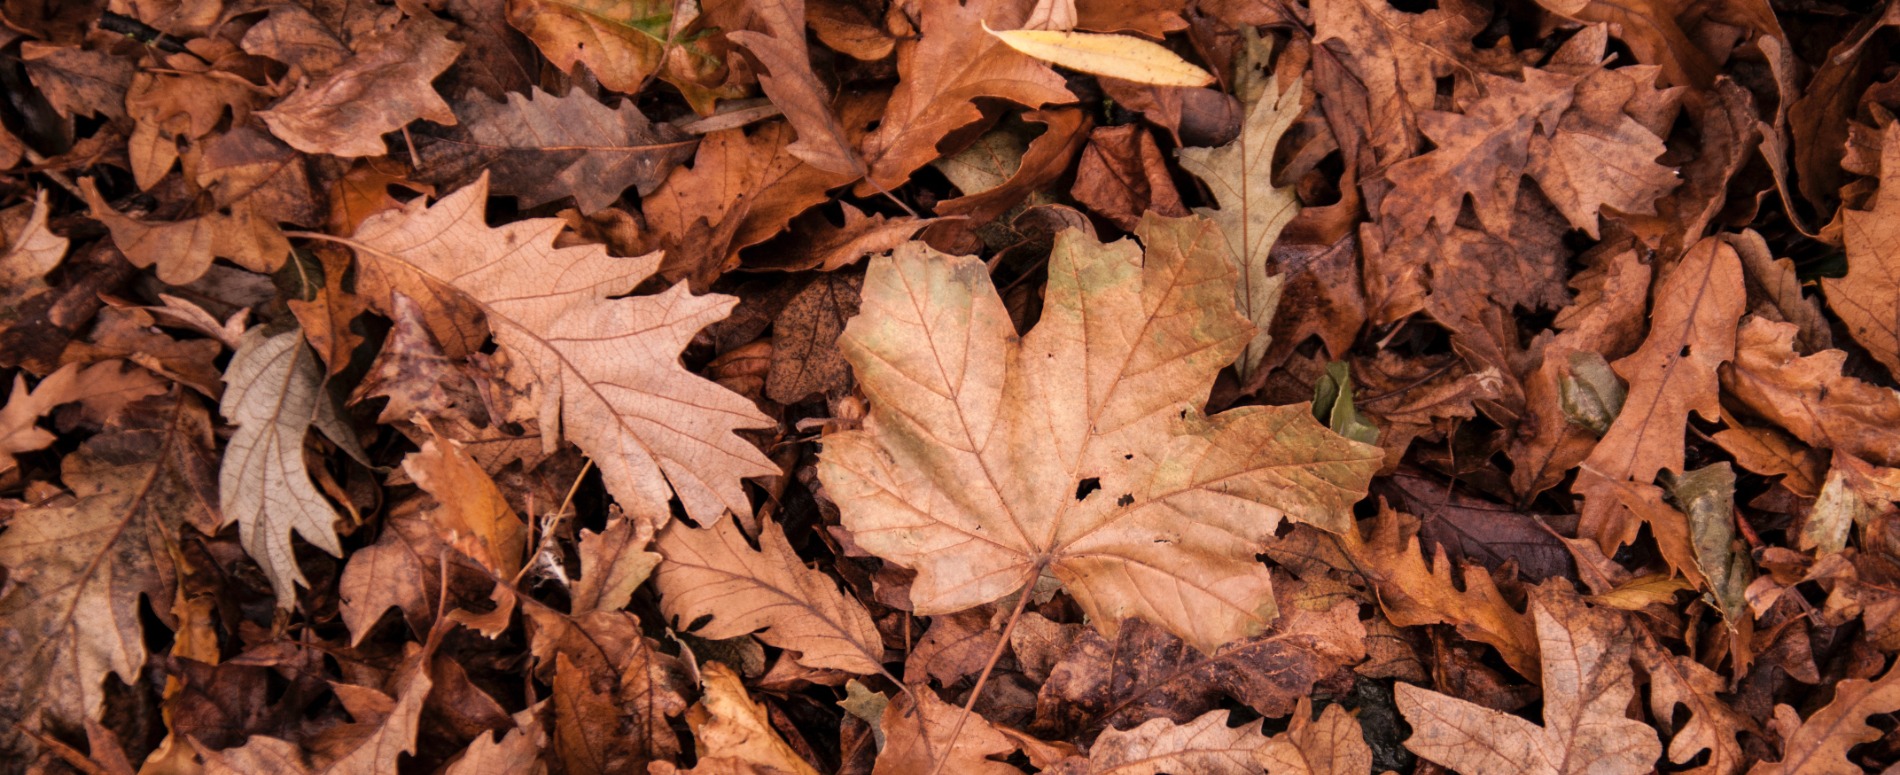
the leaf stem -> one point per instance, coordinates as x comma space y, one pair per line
983, 678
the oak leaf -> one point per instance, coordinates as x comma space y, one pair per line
382, 88
183, 250
28, 250
779, 44
711, 575
541, 148
948, 64
1333, 744
273, 394
1712, 726
1253, 211
1588, 684
653, 428
1650, 29
1078, 450
77, 567
1820, 743
1865, 298
614, 563
1810, 396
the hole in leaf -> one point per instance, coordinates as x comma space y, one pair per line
1126, 499
1086, 486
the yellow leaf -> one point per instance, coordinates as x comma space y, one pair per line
1116, 56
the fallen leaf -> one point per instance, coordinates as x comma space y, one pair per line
805, 355
654, 429
1123, 175
1204, 746
273, 390
1587, 684
948, 412
542, 148
1334, 744
1253, 211
732, 732
715, 586
1810, 396
1820, 743
779, 44
1116, 56
918, 738
385, 728
78, 568
333, 115
949, 63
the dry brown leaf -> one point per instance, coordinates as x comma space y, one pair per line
715, 586
732, 733
1587, 683
1411, 593
778, 40
1712, 726
28, 250
1333, 744
1820, 743
542, 148
613, 691
183, 250
381, 88
614, 563
1865, 298
78, 567
1649, 28
385, 728
470, 511
1252, 211
805, 354
1122, 175
1078, 450
654, 429
624, 43
947, 64
1204, 746
1810, 396
917, 739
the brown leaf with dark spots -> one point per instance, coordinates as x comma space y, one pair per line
805, 355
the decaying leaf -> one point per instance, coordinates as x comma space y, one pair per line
1079, 450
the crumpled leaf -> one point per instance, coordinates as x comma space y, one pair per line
948, 64
1864, 299
385, 728
273, 391
711, 575
1587, 685
1252, 210
1810, 395
979, 468
78, 567
731, 731
654, 429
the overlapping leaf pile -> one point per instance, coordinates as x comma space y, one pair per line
924, 386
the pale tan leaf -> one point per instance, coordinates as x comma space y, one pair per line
1587, 683
272, 391
1116, 56
728, 725
978, 462
1333, 744
1252, 210
1204, 746
711, 572
917, 726
614, 562
1820, 744
606, 370
1865, 298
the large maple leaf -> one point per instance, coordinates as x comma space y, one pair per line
605, 370
1079, 450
